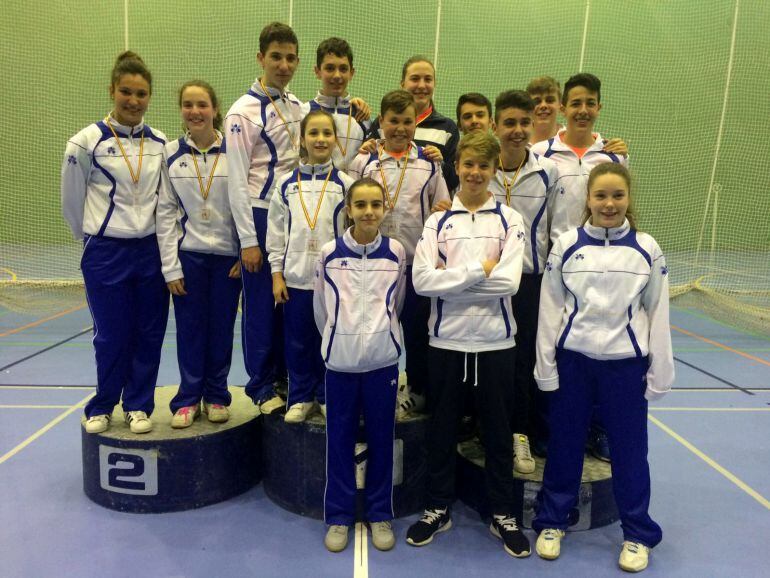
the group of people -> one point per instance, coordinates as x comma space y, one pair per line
502, 263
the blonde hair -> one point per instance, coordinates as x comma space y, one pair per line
480, 144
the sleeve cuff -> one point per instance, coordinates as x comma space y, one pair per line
652, 395
548, 383
476, 271
249, 242
173, 275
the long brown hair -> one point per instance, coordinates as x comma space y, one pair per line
609, 168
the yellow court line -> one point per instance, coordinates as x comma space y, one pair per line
361, 557
11, 273
79, 405
47, 387
722, 345
41, 321
34, 406
710, 409
729, 475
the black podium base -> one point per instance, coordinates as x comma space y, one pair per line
169, 469
596, 504
294, 460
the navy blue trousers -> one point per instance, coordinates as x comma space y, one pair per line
617, 386
414, 324
347, 396
128, 300
261, 323
303, 349
205, 322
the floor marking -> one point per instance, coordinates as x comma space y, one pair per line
73, 408
11, 273
721, 345
706, 408
41, 321
49, 348
34, 406
361, 557
729, 475
711, 375
47, 387
718, 389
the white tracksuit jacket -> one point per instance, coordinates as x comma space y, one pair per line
358, 297
350, 133
470, 312
605, 295
292, 247
423, 186
569, 200
530, 196
98, 194
184, 220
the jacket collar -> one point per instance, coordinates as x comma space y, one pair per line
602, 233
213, 148
334, 102
359, 249
315, 169
560, 145
489, 205
123, 129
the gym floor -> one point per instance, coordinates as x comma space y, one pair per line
709, 455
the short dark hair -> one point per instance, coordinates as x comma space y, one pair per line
587, 81
473, 98
397, 101
212, 95
513, 99
277, 32
130, 63
337, 47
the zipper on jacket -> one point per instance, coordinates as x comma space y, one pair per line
606, 237
363, 299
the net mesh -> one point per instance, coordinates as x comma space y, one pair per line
664, 67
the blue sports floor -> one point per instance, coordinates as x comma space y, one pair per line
709, 454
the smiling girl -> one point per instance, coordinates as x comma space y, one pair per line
199, 247
306, 211
603, 338
109, 183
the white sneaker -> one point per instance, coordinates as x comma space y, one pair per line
270, 405
522, 457
408, 402
216, 412
382, 535
138, 422
548, 544
633, 557
185, 416
298, 412
322, 409
336, 538
98, 423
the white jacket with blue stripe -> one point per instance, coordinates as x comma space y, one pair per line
569, 200
98, 195
293, 248
358, 297
605, 295
530, 196
262, 144
469, 311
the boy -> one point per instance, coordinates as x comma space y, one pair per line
468, 261
334, 68
474, 112
575, 151
262, 135
413, 185
546, 94
525, 182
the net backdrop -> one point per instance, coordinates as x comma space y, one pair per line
682, 85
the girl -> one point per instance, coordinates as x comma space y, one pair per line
305, 213
359, 291
603, 337
199, 248
110, 178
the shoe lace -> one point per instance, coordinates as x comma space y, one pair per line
508, 523
336, 529
432, 516
521, 447
132, 415
384, 525
634, 547
550, 534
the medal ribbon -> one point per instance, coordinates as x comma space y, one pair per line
509, 184
294, 143
205, 192
392, 201
312, 223
134, 177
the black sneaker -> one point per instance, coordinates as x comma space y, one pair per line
432, 522
599, 445
514, 540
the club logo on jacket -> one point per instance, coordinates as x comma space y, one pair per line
111, 151
548, 266
664, 270
579, 257
183, 164
344, 263
235, 129
71, 160
449, 226
520, 235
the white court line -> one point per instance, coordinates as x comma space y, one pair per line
79, 405
361, 557
707, 408
718, 389
722, 470
35, 406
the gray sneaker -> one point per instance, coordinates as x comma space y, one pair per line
336, 538
382, 535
